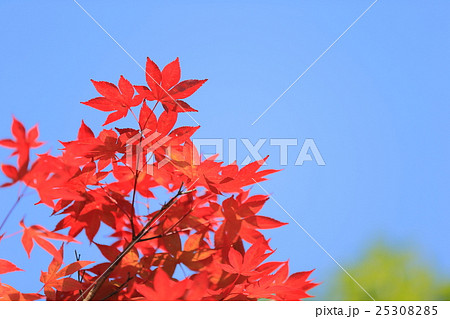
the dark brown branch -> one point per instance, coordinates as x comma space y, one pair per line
133, 232
168, 232
165, 234
80, 273
92, 290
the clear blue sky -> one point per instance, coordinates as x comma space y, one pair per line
377, 105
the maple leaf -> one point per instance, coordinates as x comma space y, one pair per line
246, 265
263, 222
236, 179
89, 214
54, 277
80, 151
197, 288
165, 87
88, 147
22, 142
181, 135
280, 286
298, 284
49, 176
88, 175
8, 293
196, 248
13, 173
7, 266
39, 234
147, 118
115, 99
126, 181
164, 288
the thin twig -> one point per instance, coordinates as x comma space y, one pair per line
134, 115
168, 231
118, 289
80, 274
165, 234
137, 173
133, 232
19, 198
102, 278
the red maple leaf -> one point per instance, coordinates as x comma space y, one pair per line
246, 265
7, 266
54, 277
165, 87
115, 99
278, 286
8, 293
13, 173
40, 235
164, 288
22, 142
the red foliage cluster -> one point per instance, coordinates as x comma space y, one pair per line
97, 180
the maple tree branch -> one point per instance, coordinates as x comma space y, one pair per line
19, 198
102, 278
165, 234
146, 121
168, 232
171, 227
118, 289
137, 172
133, 231
80, 274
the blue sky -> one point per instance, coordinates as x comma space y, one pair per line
376, 105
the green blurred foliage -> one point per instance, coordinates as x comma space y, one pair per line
389, 274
